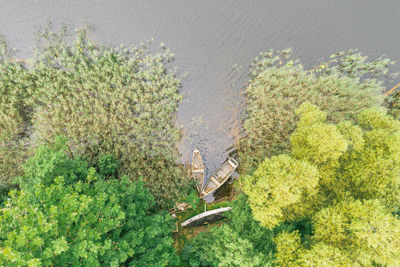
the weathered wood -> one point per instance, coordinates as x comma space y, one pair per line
198, 169
219, 177
206, 217
215, 181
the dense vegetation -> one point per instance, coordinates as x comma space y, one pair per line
322, 187
357, 195
105, 100
88, 147
239, 242
68, 214
346, 84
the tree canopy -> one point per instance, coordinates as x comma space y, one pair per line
350, 233
81, 221
351, 199
241, 241
278, 190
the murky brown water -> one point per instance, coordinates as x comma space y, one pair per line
210, 37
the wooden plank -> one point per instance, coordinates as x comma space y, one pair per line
215, 181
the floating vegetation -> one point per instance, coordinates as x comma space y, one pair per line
105, 100
343, 86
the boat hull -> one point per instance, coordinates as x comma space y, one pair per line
198, 169
219, 177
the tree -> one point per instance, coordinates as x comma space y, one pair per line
350, 233
278, 85
69, 221
372, 170
361, 161
249, 243
279, 189
50, 161
354, 199
222, 246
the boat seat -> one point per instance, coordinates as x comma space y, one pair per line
233, 165
222, 171
215, 181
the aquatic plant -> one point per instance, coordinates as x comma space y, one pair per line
342, 86
119, 101
14, 114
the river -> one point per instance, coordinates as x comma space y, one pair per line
209, 38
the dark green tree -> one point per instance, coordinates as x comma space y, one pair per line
241, 241
81, 222
223, 246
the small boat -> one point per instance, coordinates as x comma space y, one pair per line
206, 217
219, 177
198, 169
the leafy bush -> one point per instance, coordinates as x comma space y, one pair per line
347, 83
107, 166
222, 246
279, 189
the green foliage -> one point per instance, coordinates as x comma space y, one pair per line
353, 64
14, 118
349, 82
287, 246
51, 161
222, 246
372, 171
242, 222
361, 161
87, 222
192, 198
241, 241
107, 166
353, 201
392, 103
279, 189
351, 233
105, 100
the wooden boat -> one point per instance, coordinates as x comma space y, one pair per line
219, 177
198, 169
206, 217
